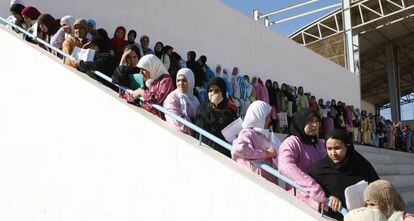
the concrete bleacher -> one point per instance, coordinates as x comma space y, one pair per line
396, 167
71, 149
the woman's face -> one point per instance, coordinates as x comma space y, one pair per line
27, 20
214, 94
268, 121
17, 16
132, 59
336, 150
371, 204
43, 27
158, 47
275, 85
170, 51
119, 34
90, 27
145, 73
312, 127
182, 84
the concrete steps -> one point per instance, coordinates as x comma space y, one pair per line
394, 166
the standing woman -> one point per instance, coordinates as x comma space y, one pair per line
158, 84
119, 43
215, 114
299, 152
254, 142
182, 101
341, 168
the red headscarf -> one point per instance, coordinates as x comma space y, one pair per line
119, 44
31, 12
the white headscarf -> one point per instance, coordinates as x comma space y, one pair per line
365, 214
256, 115
154, 65
12, 2
69, 21
188, 96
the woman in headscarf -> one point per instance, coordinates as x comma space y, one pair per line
67, 23
302, 99
49, 27
273, 102
299, 152
119, 43
30, 15
254, 141
158, 84
158, 49
382, 195
182, 101
128, 67
165, 58
16, 15
341, 168
214, 115
365, 214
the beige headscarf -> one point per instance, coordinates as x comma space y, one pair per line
365, 214
388, 199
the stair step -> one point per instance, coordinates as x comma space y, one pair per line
400, 181
394, 169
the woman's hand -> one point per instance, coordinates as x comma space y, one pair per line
124, 56
335, 204
138, 93
271, 153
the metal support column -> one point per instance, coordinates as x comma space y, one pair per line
351, 41
393, 76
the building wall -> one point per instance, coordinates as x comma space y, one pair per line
70, 149
370, 108
224, 35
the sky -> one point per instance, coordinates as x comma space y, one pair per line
265, 6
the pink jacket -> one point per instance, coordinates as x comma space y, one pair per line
408, 217
157, 93
251, 146
295, 159
172, 103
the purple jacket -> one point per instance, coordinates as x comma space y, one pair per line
157, 93
295, 159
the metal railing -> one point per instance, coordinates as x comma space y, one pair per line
190, 125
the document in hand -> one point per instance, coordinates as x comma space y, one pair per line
232, 130
81, 54
354, 195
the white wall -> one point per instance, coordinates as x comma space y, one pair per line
370, 108
72, 150
226, 36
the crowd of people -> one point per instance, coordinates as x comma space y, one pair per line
212, 100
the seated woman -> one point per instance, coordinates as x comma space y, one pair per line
67, 24
253, 142
214, 115
382, 195
343, 167
119, 42
182, 101
365, 214
103, 60
16, 16
49, 27
158, 84
127, 68
30, 15
299, 152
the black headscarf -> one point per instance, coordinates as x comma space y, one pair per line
219, 82
334, 178
17, 8
158, 53
51, 23
272, 92
300, 119
134, 48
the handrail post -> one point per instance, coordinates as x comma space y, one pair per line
200, 138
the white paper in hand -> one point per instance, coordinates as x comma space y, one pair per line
232, 130
354, 195
81, 54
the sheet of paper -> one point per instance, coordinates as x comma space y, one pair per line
232, 130
354, 195
81, 54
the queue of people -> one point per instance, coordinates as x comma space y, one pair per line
318, 153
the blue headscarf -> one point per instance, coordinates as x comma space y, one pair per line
93, 23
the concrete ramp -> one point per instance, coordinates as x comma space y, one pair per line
70, 149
